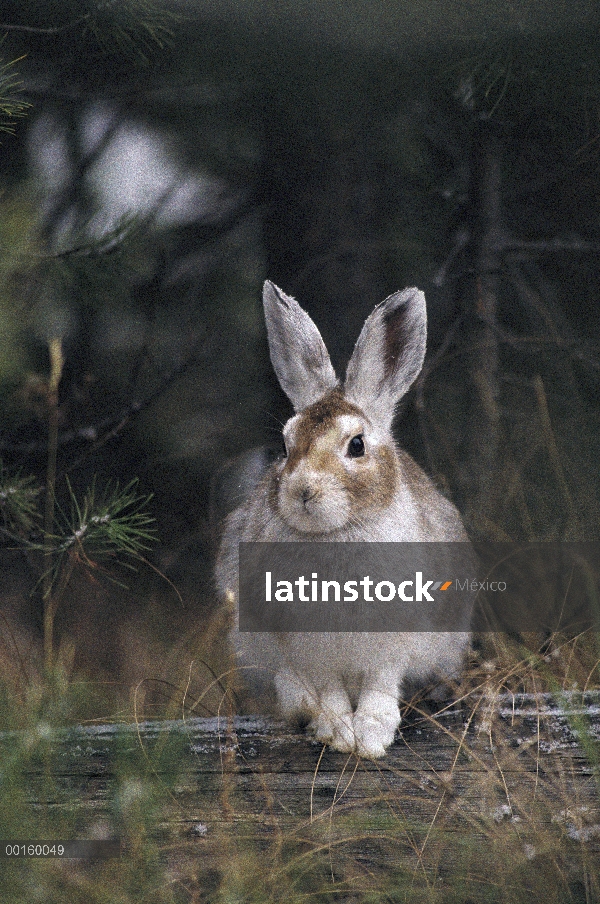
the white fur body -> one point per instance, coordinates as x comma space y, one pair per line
347, 684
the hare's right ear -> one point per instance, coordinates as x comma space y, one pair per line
298, 353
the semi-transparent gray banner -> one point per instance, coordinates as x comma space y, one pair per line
419, 587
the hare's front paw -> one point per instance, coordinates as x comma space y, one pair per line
333, 724
337, 731
372, 736
375, 724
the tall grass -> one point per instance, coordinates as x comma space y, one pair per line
500, 802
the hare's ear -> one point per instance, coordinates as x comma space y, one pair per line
388, 356
298, 352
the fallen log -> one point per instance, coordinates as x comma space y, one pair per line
509, 741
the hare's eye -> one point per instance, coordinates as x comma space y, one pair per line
356, 446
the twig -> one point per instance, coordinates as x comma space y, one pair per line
130, 412
95, 434
52, 30
56, 368
553, 448
507, 245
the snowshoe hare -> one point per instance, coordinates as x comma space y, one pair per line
342, 478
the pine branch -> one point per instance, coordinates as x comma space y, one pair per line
112, 524
130, 25
18, 504
10, 106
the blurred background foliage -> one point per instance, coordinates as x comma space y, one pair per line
166, 157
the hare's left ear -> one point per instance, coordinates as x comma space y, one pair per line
298, 353
388, 355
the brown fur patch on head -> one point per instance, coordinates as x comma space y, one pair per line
372, 483
321, 415
375, 486
316, 420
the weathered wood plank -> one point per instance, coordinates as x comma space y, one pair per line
452, 738
515, 764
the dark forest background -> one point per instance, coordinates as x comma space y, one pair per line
159, 161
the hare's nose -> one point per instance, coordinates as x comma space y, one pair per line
306, 494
